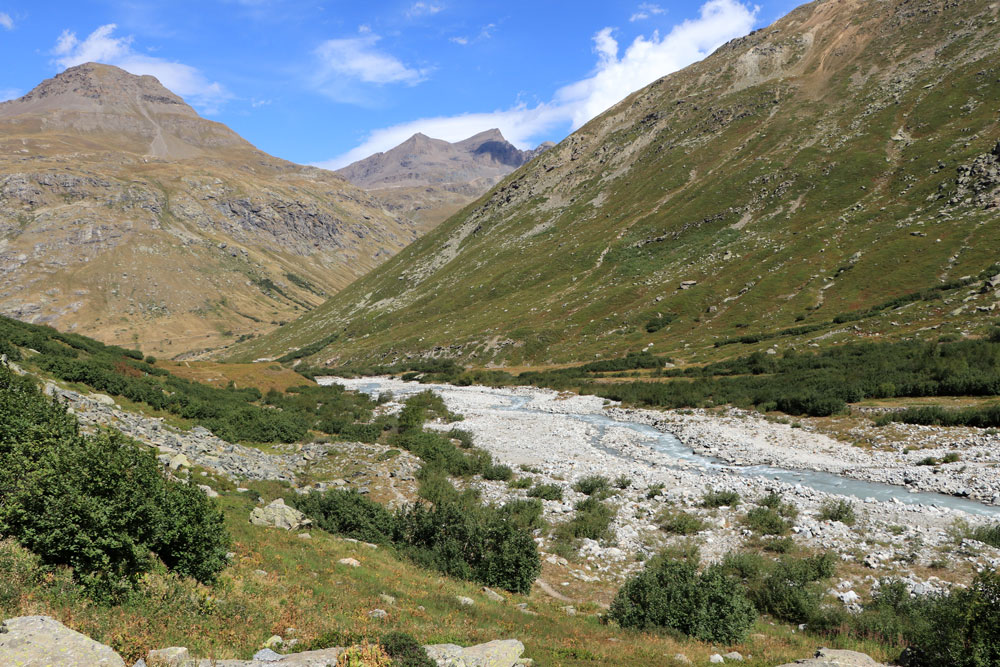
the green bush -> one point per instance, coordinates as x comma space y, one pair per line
546, 492
347, 512
956, 629
498, 473
526, 514
99, 504
592, 484
520, 483
679, 522
623, 482
720, 499
19, 570
654, 490
837, 510
672, 594
591, 520
987, 535
405, 651
766, 521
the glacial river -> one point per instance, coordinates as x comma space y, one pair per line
500, 401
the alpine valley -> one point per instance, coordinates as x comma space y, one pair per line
804, 185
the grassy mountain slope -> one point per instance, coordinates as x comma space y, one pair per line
817, 168
126, 216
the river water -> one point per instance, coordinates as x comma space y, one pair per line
517, 401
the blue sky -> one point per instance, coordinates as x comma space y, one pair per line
327, 82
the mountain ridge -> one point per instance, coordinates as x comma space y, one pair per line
126, 216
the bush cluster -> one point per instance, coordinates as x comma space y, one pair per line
672, 594
456, 535
97, 503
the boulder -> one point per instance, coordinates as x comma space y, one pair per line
498, 653
826, 657
279, 515
175, 656
41, 641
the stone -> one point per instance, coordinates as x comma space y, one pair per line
498, 653
267, 655
464, 601
683, 659
37, 641
179, 461
208, 491
492, 594
826, 657
304, 536
274, 640
733, 656
378, 613
569, 610
279, 515
716, 659
350, 562
175, 656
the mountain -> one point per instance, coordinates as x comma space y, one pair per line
429, 179
835, 176
126, 216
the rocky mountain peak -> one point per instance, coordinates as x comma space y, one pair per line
129, 112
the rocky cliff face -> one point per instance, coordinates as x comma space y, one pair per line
126, 216
429, 179
796, 178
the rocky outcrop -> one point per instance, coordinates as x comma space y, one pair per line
41, 641
826, 657
979, 181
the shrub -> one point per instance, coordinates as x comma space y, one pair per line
766, 521
672, 594
478, 543
520, 483
591, 520
956, 629
623, 482
99, 504
19, 569
405, 651
526, 514
987, 535
546, 492
654, 490
592, 484
780, 545
720, 499
499, 473
679, 522
837, 510
347, 512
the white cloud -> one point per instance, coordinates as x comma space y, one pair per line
423, 9
348, 66
462, 41
104, 47
9, 94
614, 77
6, 21
645, 10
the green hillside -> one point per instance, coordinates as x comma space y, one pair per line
836, 172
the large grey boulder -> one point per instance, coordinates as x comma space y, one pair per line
826, 657
498, 653
41, 641
279, 515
